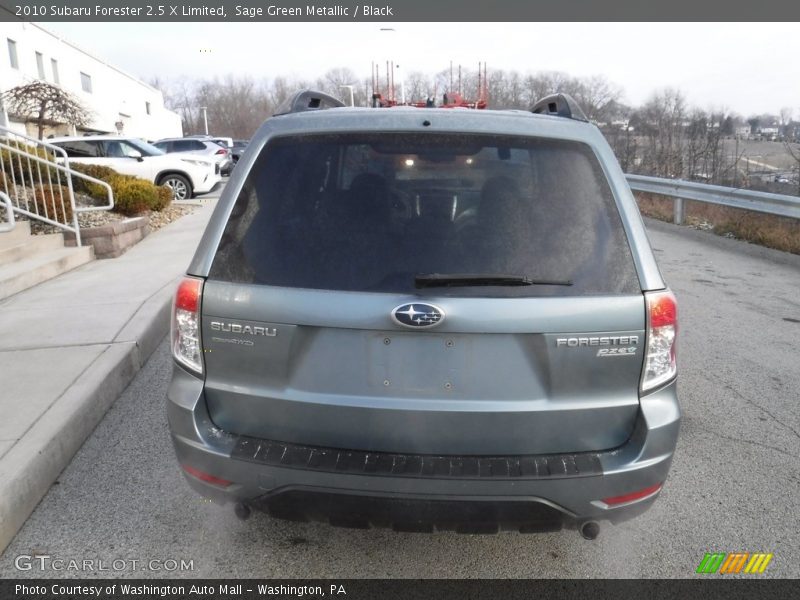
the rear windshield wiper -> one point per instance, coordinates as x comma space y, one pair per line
475, 279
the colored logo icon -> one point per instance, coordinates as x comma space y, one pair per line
734, 562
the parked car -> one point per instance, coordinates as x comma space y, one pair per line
213, 150
225, 142
187, 176
238, 149
427, 318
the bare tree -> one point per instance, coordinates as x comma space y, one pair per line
661, 121
786, 115
45, 104
419, 86
235, 106
697, 141
335, 80
281, 88
714, 155
785, 123
544, 83
179, 95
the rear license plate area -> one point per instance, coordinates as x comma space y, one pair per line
421, 363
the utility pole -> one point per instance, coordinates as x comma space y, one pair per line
402, 87
205, 117
450, 89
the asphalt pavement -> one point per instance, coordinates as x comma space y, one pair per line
734, 485
69, 347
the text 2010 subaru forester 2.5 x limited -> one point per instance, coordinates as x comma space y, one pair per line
426, 318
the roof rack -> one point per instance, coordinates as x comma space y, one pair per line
559, 105
305, 100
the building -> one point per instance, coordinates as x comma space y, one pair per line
120, 102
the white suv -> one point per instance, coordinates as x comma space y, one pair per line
187, 176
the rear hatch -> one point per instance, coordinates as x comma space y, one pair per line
437, 294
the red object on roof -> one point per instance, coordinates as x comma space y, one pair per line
449, 99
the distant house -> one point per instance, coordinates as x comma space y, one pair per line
768, 133
120, 102
742, 131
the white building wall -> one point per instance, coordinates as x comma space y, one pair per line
115, 95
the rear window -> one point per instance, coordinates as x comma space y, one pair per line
374, 212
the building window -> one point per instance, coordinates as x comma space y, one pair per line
12, 54
54, 66
40, 65
147, 107
86, 83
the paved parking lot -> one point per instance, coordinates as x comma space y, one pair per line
733, 487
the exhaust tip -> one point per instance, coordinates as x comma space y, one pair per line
242, 511
590, 530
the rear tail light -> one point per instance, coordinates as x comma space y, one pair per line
186, 346
660, 365
203, 476
221, 151
633, 496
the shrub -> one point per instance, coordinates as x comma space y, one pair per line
165, 196
132, 195
100, 172
25, 171
53, 202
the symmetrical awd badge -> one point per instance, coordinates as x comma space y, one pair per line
418, 315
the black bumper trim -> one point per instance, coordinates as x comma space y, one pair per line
315, 458
412, 515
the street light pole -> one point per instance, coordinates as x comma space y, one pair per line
205, 117
352, 98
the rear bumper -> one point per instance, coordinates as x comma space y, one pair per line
207, 181
558, 490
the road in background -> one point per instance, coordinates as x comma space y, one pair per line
733, 487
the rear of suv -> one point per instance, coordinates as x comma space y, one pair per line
425, 318
220, 154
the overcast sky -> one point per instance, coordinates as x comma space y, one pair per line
746, 67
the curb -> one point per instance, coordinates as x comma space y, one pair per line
30, 467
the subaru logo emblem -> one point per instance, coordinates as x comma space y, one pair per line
418, 315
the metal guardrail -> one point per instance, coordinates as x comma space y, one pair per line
680, 190
28, 165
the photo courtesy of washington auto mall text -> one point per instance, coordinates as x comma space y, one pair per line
180, 590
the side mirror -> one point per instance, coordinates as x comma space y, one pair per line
135, 154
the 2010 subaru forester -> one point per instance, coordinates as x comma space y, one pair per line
427, 318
